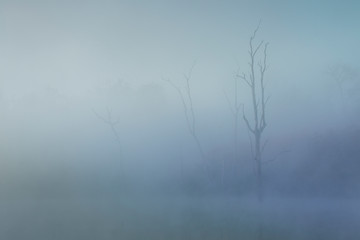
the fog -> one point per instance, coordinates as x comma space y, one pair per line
128, 120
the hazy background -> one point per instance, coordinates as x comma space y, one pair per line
63, 62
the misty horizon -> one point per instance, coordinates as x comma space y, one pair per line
135, 119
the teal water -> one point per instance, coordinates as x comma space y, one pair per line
159, 217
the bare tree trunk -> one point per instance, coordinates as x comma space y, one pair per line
258, 100
111, 122
187, 101
258, 162
344, 75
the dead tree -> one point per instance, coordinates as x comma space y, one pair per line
187, 102
347, 80
255, 81
111, 122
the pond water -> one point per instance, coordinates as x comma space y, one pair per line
171, 217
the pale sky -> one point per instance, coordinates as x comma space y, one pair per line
73, 47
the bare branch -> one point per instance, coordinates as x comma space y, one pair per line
188, 90
243, 77
267, 100
265, 57
99, 116
183, 101
255, 32
257, 48
189, 112
247, 122
251, 143
111, 122
189, 74
239, 106
264, 145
